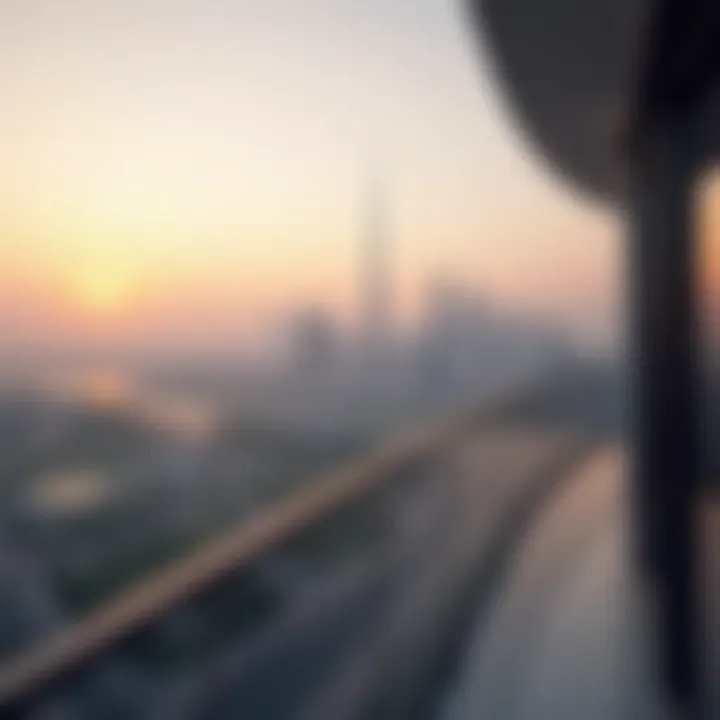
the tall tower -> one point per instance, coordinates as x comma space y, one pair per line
375, 277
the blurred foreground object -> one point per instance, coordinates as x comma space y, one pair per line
578, 73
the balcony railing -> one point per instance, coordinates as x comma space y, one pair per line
348, 596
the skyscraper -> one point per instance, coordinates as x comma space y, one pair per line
376, 304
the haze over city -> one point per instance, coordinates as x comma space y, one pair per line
188, 174
348, 364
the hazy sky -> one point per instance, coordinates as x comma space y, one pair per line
191, 168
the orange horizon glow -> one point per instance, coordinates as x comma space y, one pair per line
117, 295
211, 181
709, 255
102, 292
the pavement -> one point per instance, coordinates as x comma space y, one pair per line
566, 637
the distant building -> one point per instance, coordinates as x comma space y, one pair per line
315, 349
466, 346
455, 338
376, 291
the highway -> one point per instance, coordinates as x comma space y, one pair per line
320, 660
341, 638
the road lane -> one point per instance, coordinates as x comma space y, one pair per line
565, 638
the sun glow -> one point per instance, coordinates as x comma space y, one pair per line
103, 291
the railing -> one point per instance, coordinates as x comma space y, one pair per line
64, 660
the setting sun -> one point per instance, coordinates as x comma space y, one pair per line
103, 291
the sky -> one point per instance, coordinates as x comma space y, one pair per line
188, 171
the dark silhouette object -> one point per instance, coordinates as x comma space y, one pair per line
622, 98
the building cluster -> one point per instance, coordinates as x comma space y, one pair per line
380, 374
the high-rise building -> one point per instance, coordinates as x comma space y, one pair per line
315, 348
376, 301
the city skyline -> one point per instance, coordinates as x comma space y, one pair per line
185, 174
